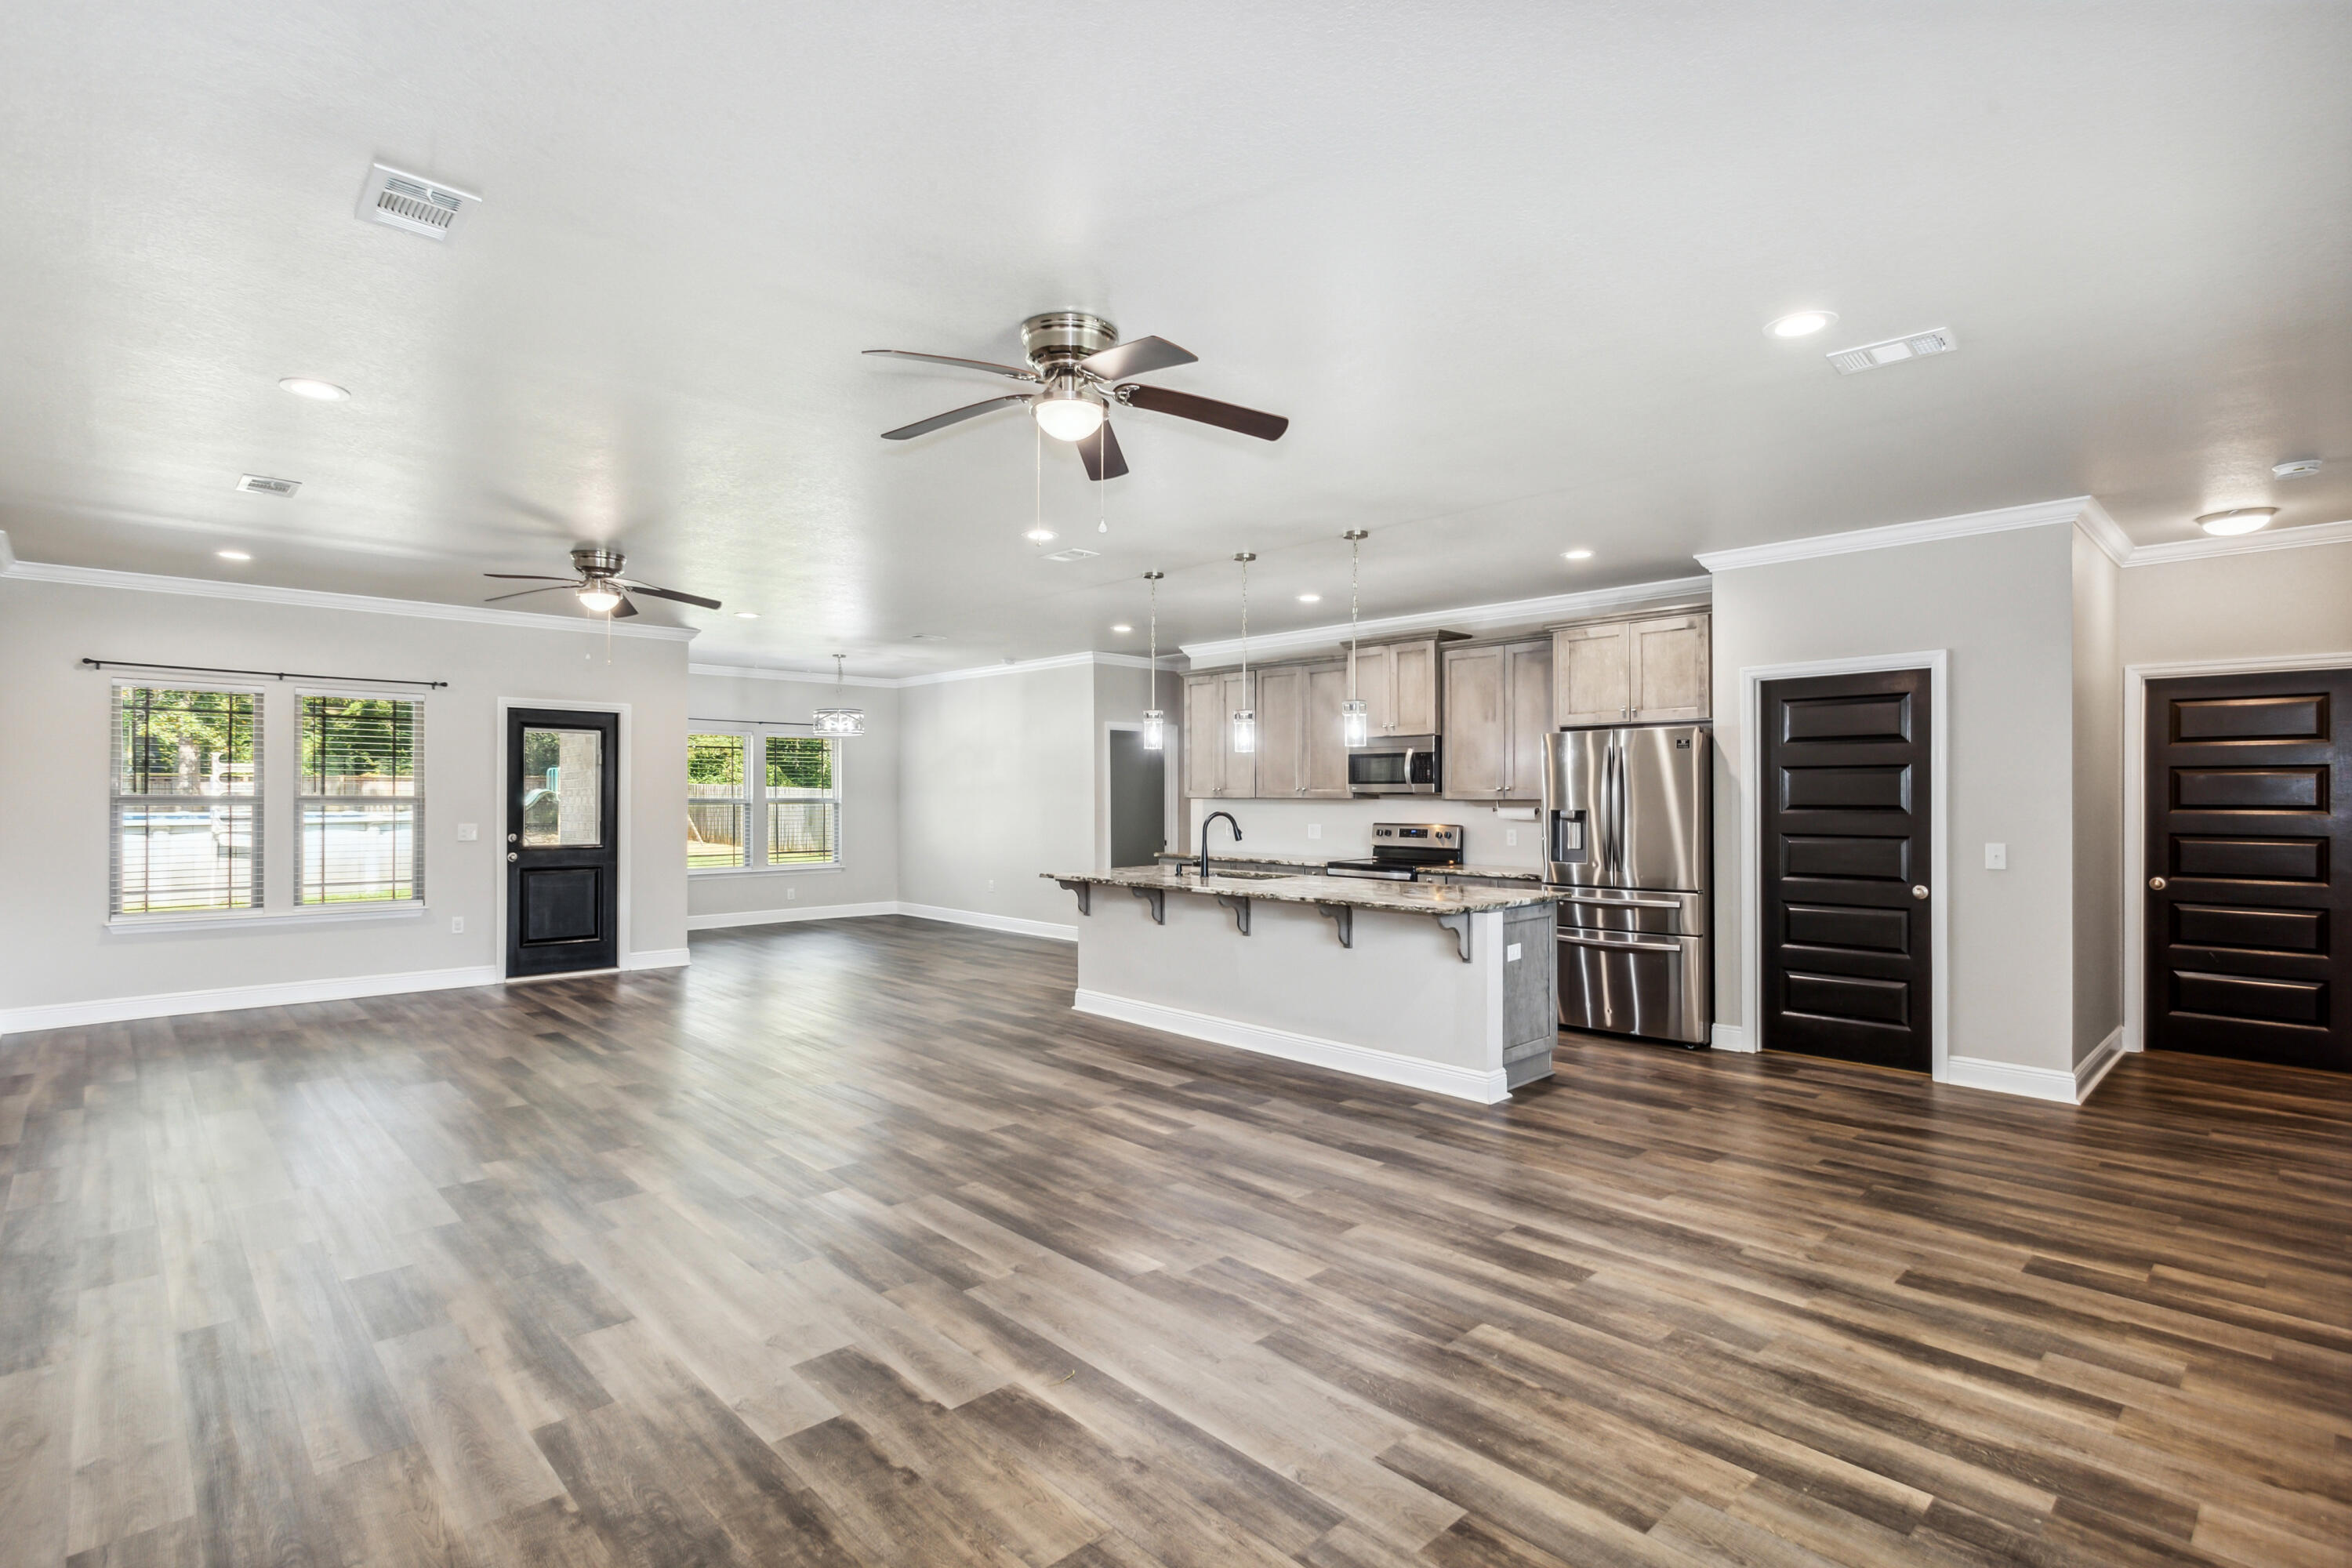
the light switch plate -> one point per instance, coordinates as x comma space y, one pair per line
468, 831
1313, 830
1996, 856
1511, 952
1511, 837
791, 893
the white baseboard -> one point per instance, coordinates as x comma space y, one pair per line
1729, 1037
658, 958
236, 998
2008, 1077
990, 923
784, 916
1359, 1061
2092, 1068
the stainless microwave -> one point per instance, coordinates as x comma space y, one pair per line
1395, 764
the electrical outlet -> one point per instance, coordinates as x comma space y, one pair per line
456, 925
468, 831
791, 893
1511, 837
1996, 856
1313, 830
992, 884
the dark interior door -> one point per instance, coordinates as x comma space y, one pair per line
2247, 837
1139, 800
1845, 868
563, 841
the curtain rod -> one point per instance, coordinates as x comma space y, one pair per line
271, 674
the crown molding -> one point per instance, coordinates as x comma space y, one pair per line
1512, 611
2100, 529
2036, 514
975, 672
16, 571
2241, 543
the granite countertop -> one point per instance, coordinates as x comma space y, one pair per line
1493, 873
1402, 898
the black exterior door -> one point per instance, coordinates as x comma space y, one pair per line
2248, 834
1844, 866
563, 841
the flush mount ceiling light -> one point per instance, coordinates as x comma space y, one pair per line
2240, 519
746, 614
1799, 323
1038, 535
1355, 714
315, 390
1121, 626
232, 554
599, 596
1576, 556
1067, 410
1310, 598
1155, 722
841, 719
2301, 468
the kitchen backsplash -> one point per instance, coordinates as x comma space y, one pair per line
1279, 827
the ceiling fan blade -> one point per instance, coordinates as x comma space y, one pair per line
953, 416
526, 577
653, 593
1017, 372
1139, 357
623, 610
1205, 410
526, 593
1104, 460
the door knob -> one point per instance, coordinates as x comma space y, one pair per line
2156, 883
512, 855
1919, 890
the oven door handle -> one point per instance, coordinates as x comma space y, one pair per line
1674, 947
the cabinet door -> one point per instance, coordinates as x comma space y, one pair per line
1281, 732
1526, 670
1591, 681
1326, 749
1204, 749
1478, 723
1669, 668
1376, 684
1416, 664
1234, 694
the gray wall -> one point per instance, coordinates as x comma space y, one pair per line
869, 809
2003, 604
54, 946
2267, 603
2098, 801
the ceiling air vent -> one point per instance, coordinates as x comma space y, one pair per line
1074, 554
414, 202
262, 485
1894, 351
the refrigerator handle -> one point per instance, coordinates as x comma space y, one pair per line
1612, 810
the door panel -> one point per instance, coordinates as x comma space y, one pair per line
1376, 684
1527, 669
1281, 732
1477, 725
1667, 665
563, 833
2246, 834
1415, 665
1666, 837
1592, 682
1327, 750
1843, 934
1204, 751
1236, 693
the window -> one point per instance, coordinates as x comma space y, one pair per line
757, 800
185, 801
715, 801
363, 806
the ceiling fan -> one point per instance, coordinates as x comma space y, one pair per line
599, 584
1079, 364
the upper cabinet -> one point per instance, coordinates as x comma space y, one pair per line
1499, 704
1399, 685
1300, 754
1618, 672
1212, 767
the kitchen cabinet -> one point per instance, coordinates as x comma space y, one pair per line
1654, 668
1213, 769
1498, 707
1300, 754
1327, 751
1399, 684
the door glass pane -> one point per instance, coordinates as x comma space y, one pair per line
562, 787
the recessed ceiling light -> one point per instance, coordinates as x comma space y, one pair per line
1576, 556
2242, 519
232, 554
1310, 598
1798, 323
2296, 469
315, 390
1122, 626
1038, 535
746, 614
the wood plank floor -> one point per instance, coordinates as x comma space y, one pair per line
852, 1244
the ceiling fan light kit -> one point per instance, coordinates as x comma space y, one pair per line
597, 584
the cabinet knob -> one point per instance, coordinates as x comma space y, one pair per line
2156, 883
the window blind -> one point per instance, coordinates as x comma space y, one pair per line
185, 801
362, 800
716, 805
803, 793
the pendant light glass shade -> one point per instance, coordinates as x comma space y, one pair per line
1155, 730
840, 718
1355, 714
1244, 720
1155, 723
1245, 730
1355, 722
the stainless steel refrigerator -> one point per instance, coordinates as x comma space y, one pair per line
1628, 814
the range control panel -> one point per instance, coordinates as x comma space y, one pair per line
1418, 835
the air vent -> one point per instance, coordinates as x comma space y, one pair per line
929, 637
1894, 351
1074, 554
262, 485
414, 202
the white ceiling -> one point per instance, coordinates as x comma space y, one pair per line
1505, 267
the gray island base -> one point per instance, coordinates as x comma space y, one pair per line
1440, 987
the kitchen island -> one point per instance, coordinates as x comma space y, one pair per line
1446, 987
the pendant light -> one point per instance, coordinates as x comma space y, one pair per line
1244, 718
1355, 714
1155, 723
840, 718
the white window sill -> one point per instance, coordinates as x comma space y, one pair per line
244, 919
832, 870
